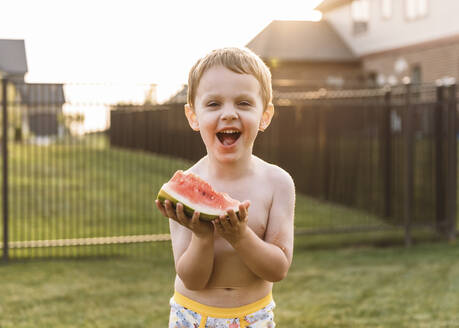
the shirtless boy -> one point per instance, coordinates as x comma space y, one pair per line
226, 268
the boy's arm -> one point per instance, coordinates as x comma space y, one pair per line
193, 256
193, 248
270, 258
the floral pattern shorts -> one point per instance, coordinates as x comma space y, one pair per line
186, 313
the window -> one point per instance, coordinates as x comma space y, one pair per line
360, 11
415, 9
386, 9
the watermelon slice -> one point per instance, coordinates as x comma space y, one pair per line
196, 195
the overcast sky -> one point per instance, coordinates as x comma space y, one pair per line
134, 40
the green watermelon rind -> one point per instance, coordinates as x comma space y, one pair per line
163, 195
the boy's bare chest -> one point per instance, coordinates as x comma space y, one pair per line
260, 198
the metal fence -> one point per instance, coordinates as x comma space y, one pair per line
81, 165
389, 152
66, 191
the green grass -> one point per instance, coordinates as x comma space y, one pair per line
84, 188
371, 287
88, 189
335, 281
312, 214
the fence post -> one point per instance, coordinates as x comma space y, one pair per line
408, 175
5, 166
451, 174
324, 152
439, 174
387, 155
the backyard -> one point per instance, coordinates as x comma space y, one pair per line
360, 281
336, 280
87, 189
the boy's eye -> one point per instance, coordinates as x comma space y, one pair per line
244, 103
212, 104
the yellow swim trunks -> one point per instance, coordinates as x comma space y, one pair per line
186, 313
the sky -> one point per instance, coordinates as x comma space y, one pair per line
135, 41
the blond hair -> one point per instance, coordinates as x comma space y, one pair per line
238, 60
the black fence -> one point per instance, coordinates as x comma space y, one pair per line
66, 191
389, 152
361, 160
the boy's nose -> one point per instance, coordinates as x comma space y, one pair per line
229, 114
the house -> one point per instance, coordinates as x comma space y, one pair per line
179, 97
13, 62
396, 39
42, 108
35, 107
392, 41
303, 55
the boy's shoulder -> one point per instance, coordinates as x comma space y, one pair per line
198, 167
276, 175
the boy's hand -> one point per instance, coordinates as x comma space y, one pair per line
233, 227
200, 228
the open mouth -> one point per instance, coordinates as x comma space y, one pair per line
228, 137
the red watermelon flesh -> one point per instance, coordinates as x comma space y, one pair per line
196, 195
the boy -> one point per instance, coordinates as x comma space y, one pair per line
226, 268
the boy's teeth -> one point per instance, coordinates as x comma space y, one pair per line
228, 137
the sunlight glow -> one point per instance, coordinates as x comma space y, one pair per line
313, 15
135, 41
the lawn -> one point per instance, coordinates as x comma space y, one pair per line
85, 189
335, 281
69, 191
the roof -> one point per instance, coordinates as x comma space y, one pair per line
301, 41
34, 94
13, 56
328, 5
179, 97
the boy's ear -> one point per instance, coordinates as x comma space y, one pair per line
266, 117
191, 117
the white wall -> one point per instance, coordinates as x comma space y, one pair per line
384, 34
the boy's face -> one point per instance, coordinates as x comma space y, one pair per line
228, 112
